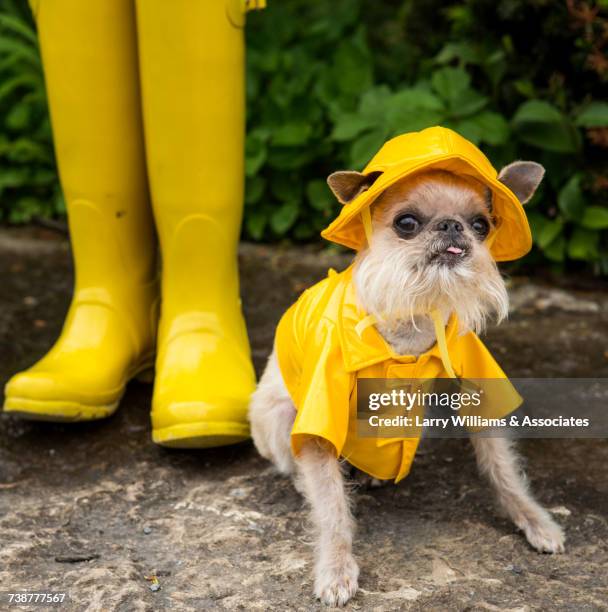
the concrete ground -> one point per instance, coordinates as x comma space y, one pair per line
97, 511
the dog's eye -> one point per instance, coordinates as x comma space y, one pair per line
407, 225
480, 226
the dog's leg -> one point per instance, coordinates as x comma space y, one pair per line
498, 461
322, 483
272, 413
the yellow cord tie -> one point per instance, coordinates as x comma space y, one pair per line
366, 219
364, 323
442, 342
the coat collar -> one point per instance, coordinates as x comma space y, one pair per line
368, 348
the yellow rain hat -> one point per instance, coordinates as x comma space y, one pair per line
441, 149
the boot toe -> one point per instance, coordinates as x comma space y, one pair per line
200, 424
202, 389
49, 396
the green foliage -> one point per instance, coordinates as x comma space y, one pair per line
541, 125
28, 179
329, 81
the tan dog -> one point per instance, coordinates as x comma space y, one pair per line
428, 248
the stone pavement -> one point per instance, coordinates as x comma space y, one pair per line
96, 510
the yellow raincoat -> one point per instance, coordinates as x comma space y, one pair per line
321, 354
324, 343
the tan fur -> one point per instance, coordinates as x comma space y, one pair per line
498, 461
321, 481
271, 413
395, 282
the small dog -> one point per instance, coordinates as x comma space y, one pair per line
427, 250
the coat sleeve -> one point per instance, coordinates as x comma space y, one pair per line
293, 331
288, 348
322, 401
310, 360
500, 397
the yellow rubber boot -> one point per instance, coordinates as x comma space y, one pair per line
192, 72
90, 61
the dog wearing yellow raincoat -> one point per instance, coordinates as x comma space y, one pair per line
429, 218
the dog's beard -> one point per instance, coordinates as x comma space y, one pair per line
396, 283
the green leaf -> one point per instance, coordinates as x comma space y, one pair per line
413, 121
413, 109
583, 244
570, 198
254, 189
414, 98
540, 124
467, 102
255, 221
548, 232
18, 118
525, 87
466, 52
352, 68
284, 217
487, 127
291, 135
319, 195
14, 177
449, 83
12, 84
59, 202
469, 128
18, 48
292, 158
350, 125
44, 177
25, 150
593, 115
18, 26
365, 147
494, 128
556, 251
26, 209
595, 217
373, 102
495, 66
255, 153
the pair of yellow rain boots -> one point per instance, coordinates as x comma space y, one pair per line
147, 108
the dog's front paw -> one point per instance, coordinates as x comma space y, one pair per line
545, 535
336, 585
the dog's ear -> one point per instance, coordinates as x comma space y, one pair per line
348, 184
522, 178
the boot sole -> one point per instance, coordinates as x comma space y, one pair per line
66, 411
201, 435
57, 411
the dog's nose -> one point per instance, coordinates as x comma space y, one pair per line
451, 226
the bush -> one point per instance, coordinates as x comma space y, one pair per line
28, 176
328, 82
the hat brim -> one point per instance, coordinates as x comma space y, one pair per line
512, 237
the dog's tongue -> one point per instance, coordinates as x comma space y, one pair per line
453, 249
